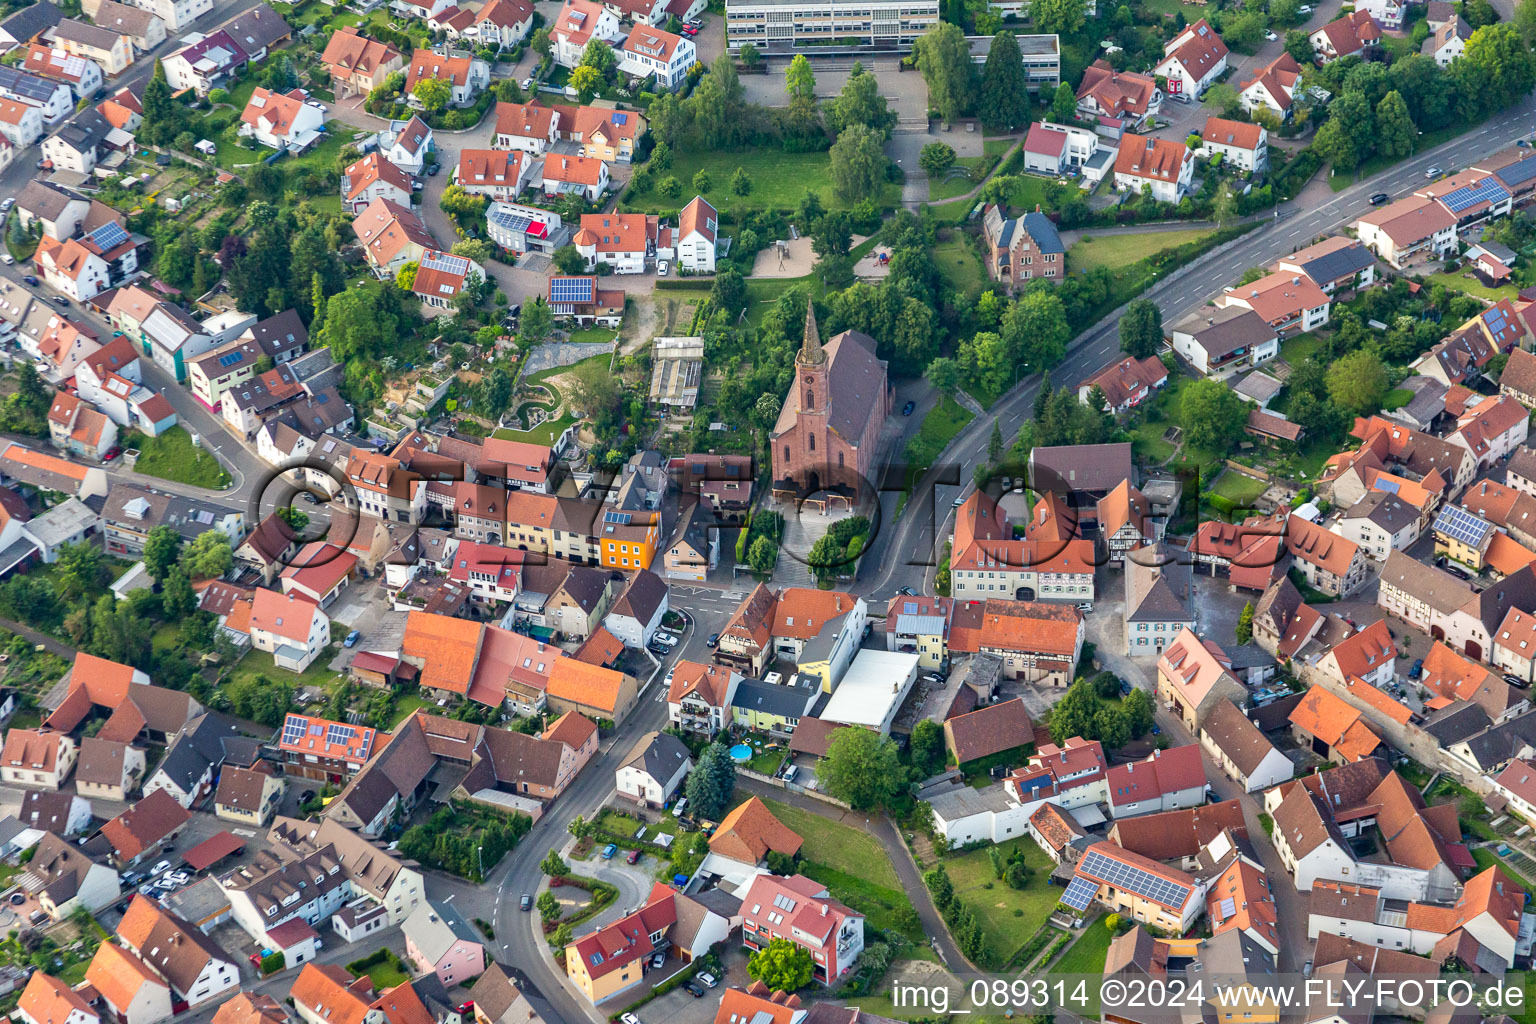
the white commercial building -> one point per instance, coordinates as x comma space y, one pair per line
872, 690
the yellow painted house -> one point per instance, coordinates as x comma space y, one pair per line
1463, 536
774, 707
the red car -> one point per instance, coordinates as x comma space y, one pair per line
634, 856
112, 453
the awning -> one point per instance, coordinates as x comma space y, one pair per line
212, 850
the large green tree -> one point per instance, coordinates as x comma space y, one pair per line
1141, 329
860, 102
944, 57
862, 769
1357, 383
782, 965
432, 93
712, 782
1036, 330
1213, 415
1003, 97
1395, 131
161, 549
208, 555
858, 162
1059, 17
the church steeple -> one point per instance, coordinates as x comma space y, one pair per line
811, 352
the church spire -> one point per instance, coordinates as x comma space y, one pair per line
810, 350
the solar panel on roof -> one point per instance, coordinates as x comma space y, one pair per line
230, 358
620, 119
109, 236
293, 729
1079, 893
341, 734
570, 289
1133, 879
446, 262
1486, 191
1459, 524
1228, 908
1390, 486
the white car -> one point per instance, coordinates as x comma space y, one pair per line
7, 259
629, 1018
1304, 9
661, 268
1270, 36
527, 84
161, 868
665, 639
5, 207
178, 877
1432, 173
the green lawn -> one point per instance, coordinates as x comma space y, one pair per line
259, 663
1243, 490
591, 335
1163, 413
172, 456
952, 212
763, 292
1295, 350
837, 846
321, 157
779, 180
943, 422
1086, 955
545, 433
1119, 251
1465, 281
386, 975
1397, 398
960, 266
1486, 858
407, 704
1028, 192
995, 907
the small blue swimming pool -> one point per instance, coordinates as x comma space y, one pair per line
741, 752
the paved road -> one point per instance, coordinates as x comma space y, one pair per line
906, 553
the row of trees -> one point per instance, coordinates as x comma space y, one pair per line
1087, 710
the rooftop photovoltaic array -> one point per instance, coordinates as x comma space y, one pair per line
1079, 893
294, 728
570, 289
1459, 524
1133, 879
1486, 191
446, 262
109, 236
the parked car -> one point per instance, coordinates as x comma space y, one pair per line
432, 170
1515, 681
5, 207
709, 979
658, 958
112, 453
907, 409
160, 868
959, 500
527, 84
352, 638
667, 640
7, 259
1270, 36
1304, 9
906, 592
526, 903
1460, 574
661, 268
60, 300
629, 1018
694, 988
30, 280
1417, 669
179, 877
610, 850
713, 640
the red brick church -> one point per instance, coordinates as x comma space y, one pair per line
828, 434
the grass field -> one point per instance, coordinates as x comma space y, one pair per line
838, 846
1244, 490
960, 266
1465, 281
545, 433
854, 866
942, 423
1295, 350
172, 456
779, 180
1086, 955
1397, 398
387, 974
1119, 251
259, 663
995, 908
1161, 414
958, 185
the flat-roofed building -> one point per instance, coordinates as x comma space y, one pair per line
785, 25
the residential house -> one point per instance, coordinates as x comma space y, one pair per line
47, 1000
207, 62
1333, 728
467, 76
1136, 887
500, 174
1125, 96
144, 29
1023, 248
1336, 264
407, 144
197, 969
1193, 60
612, 959
1195, 676
803, 912
1220, 340
442, 277
1288, 303
128, 988
1448, 41
248, 795
699, 697
439, 941
654, 770
78, 144
392, 236
110, 49
1162, 168
1241, 750
34, 757
373, 178
1125, 384
54, 99
1272, 87
54, 63
1411, 230
987, 562
987, 731
108, 769
1349, 36
1243, 145
649, 52
578, 23
358, 65
64, 879
697, 229
282, 121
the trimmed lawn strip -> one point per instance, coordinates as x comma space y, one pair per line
1087, 954
840, 847
172, 456
260, 663
779, 180
1464, 281
994, 908
960, 267
1119, 251
942, 423
1242, 490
